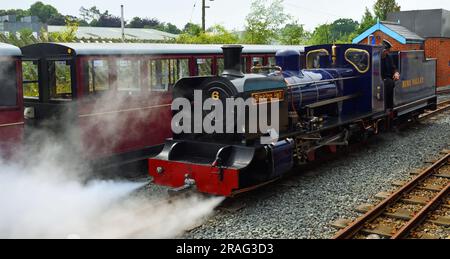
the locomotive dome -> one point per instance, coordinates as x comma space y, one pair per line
288, 59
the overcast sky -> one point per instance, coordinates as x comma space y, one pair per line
230, 13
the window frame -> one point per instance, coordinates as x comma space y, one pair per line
140, 76
18, 75
172, 75
312, 52
91, 69
70, 63
31, 82
212, 66
353, 64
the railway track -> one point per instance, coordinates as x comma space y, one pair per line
442, 106
420, 209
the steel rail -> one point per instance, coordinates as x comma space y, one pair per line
422, 215
441, 107
351, 230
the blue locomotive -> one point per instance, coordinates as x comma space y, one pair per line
338, 97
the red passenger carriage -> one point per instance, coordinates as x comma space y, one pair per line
116, 97
11, 103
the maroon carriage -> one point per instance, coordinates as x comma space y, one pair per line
115, 98
11, 103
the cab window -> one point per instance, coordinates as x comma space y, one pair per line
60, 80
8, 86
317, 58
359, 59
30, 79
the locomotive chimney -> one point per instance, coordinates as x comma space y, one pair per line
232, 59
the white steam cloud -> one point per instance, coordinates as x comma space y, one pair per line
45, 192
45, 195
38, 206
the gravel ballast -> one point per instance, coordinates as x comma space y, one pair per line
304, 204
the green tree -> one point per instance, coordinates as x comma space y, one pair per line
293, 34
341, 29
383, 7
171, 28
43, 11
19, 13
367, 21
264, 21
214, 35
138, 22
192, 29
321, 35
90, 14
69, 34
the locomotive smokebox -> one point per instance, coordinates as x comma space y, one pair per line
232, 60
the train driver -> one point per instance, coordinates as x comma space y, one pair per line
389, 73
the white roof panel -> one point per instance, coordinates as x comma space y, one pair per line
116, 33
165, 49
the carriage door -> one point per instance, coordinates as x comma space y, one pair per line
11, 107
378, 95
49, 93
60, 81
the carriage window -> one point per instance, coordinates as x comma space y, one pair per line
359, 58
128, 75
220, 66
30, 79
60, 80
316, 58
244, 65
204, 67
257, 61
98, 75
272, 61
8, 86
179, 68
164, 73
159, 74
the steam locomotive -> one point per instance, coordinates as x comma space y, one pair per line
338, 98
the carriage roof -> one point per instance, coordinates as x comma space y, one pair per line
9, 50
90, 49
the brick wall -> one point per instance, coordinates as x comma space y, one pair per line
440, 48
396, 46
434, 48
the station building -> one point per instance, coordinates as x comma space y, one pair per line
427, 30
9, 24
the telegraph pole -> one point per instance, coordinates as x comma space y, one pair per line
122, 23
203, 15
204, 7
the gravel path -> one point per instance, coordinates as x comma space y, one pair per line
303, 205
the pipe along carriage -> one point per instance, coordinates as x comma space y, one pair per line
339, 98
